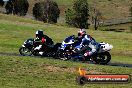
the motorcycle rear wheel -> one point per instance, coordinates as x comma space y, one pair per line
62, 55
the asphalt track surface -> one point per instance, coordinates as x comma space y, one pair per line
109, 64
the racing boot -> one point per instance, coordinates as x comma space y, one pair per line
38, 47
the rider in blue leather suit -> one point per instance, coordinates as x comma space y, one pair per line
87, 43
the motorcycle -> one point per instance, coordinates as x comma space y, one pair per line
69, 48
28, 49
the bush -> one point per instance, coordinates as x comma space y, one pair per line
9, 7
131, 28
70, 16
131, 11
78, 15
46, 11
1, 2
17, 7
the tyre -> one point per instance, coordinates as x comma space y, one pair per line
25, 51
102, 58
81, 80
66, 56
62, 55
35, 53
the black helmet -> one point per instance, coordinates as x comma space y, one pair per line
39, 33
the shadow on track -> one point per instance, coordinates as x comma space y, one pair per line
120, 64
109, 64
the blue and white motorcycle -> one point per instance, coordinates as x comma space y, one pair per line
70, 47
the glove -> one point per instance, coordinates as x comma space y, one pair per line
43, 40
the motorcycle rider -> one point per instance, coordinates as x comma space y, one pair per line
42, 40
88, 44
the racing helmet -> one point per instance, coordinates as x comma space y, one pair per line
39, 33
81, 32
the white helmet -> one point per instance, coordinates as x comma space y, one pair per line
81, 32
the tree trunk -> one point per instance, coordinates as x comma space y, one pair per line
95, 23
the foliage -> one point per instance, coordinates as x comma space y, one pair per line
1, 2
78, 15
95, 17
17, 7
70, 15
131, 28
131, 10
46, 11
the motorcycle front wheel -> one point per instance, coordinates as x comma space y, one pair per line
102, 58
25, 51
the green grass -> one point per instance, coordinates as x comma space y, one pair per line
122, 59
30, 72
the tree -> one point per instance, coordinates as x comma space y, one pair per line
17, 7
70, 16
96, 17
78, 15
131, 17
9, 7
131, 11
46, 11
1, 2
